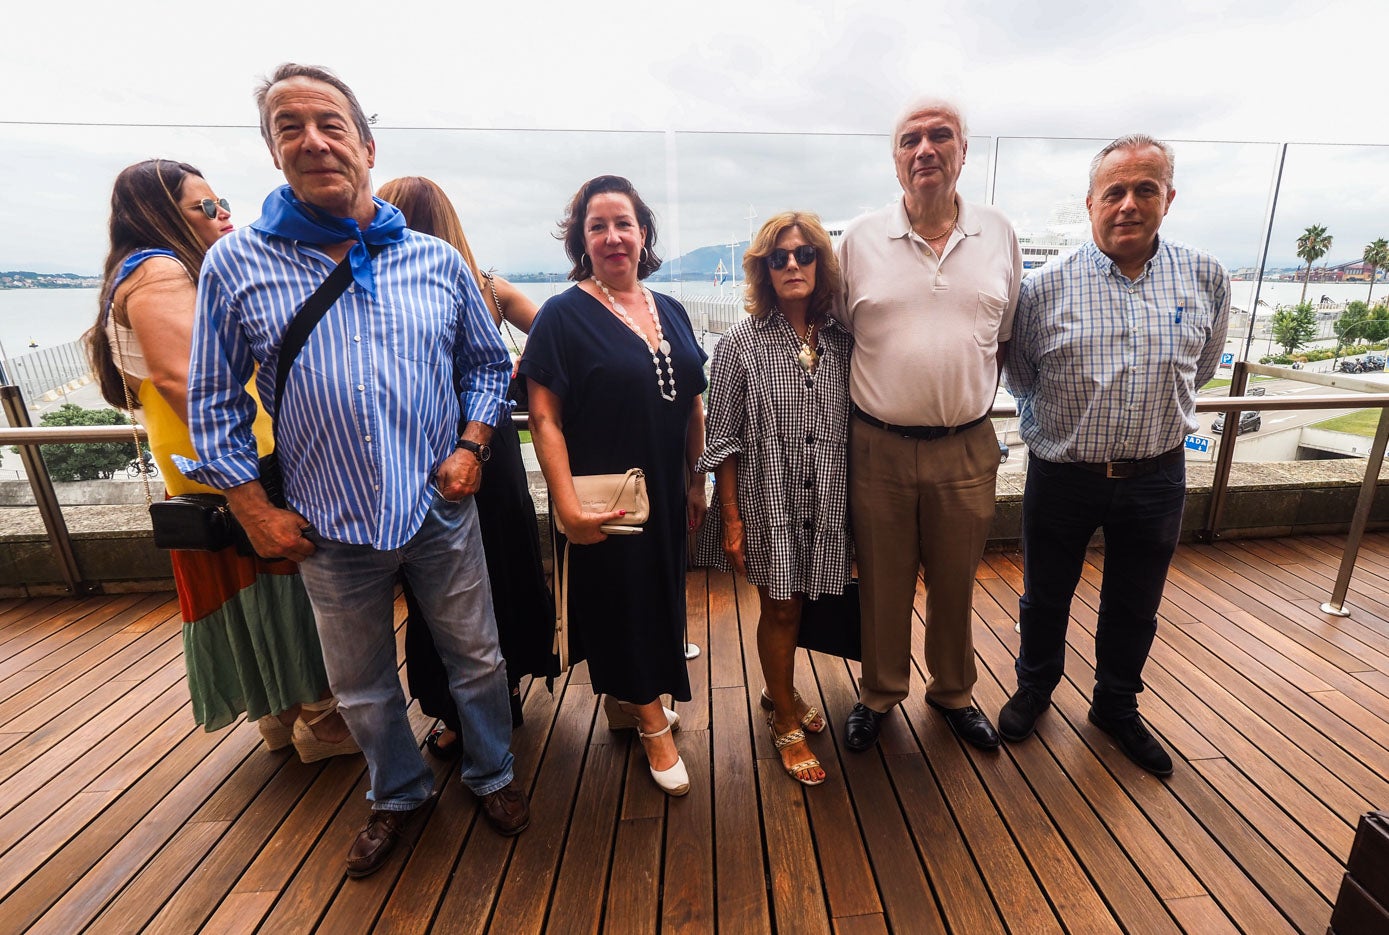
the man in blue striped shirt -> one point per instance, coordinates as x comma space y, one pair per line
376, 475
1109, 348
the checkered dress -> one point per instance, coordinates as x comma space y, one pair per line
789, 430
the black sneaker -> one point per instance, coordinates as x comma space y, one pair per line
1018, 717
1132, 736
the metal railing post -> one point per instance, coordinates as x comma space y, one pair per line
44, 495
1220, 482
1337, 605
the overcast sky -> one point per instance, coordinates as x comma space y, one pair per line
714, 109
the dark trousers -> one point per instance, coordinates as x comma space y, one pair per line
1141, 517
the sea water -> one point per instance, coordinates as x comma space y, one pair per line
48, 317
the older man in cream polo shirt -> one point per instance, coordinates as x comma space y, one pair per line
931, 283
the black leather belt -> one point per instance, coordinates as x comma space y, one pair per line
1120, 470
922, 432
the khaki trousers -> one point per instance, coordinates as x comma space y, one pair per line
919, 504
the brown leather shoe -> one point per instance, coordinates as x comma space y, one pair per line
375, 842
507, 810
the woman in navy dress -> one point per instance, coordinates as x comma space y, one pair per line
615, 376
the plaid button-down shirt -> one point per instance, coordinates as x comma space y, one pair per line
1105, 368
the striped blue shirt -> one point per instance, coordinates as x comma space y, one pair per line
1105, 368
373, 401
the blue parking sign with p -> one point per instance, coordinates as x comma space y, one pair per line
1227, 360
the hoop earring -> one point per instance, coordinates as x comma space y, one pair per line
585, 262
643, 256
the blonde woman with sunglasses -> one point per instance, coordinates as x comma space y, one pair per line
776, 440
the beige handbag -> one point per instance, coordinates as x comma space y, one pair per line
603, 493
597, 493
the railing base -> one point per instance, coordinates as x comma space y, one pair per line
1335, 610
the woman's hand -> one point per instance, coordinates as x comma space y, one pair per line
696, 502
733, 544
584, 528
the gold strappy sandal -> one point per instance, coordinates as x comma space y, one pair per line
787, 739
811, 720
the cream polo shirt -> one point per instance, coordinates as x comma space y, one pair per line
927, 332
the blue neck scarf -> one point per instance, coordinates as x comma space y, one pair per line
284, 215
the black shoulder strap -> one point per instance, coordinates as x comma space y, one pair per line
309, 315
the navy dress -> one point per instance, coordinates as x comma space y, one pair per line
627, 593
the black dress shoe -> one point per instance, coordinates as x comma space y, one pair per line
861, 727
1018, 718
375, 842
1132, 736
969, 724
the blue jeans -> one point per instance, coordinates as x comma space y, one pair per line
1062, 506
352, 590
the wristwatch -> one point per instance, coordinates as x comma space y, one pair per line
481, 452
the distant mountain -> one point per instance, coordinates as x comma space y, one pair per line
698, 264
701, 263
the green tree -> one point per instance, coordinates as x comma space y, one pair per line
1377, 324
1350, 327
1294, 327
95, 461
1314, 244
1376, 257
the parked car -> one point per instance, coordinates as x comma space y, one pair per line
1249, 421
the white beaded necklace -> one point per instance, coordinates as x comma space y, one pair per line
662, 344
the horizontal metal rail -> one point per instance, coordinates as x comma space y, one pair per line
1364, 394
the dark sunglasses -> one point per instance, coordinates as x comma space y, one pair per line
210, 206
778, 258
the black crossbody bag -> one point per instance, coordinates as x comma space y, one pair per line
204, 522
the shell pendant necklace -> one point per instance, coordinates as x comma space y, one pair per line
662, 345
806, 356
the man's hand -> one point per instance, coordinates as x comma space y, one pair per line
459, 476
274, 533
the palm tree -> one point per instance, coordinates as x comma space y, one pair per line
1376, 257
1314, 244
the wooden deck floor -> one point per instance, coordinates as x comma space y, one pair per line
117, 814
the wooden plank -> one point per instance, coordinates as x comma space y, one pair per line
535, 860
320, 892
725, 640
1164, 870
97, 863
577, 902
737, 832
695, 715
861, 925
687, 886
793, 871
128, 751
471, 895
160, 878
845, 870
212, 880
906, 896
634, 888
1201, 914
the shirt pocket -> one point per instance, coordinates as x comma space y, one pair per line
988, 314
421, 331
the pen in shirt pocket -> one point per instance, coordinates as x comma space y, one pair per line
1180, 308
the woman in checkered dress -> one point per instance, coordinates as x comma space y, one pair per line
776, 440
